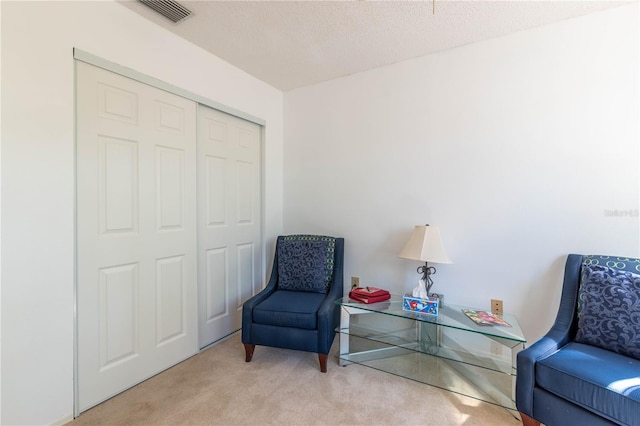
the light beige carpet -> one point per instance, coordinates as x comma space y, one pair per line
217, 387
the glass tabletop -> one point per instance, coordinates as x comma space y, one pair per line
449, 316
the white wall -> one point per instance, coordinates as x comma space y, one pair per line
38, 174
0, 226
514, 146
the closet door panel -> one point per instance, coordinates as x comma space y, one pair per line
229, 224
136, 232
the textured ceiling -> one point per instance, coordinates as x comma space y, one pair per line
290, 44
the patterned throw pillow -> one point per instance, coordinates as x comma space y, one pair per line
305, 263
609, 309
615, 262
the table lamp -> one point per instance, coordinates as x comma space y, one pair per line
425, 245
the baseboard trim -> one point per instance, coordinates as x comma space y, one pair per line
62, 421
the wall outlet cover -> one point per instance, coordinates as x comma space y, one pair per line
355, 282
496, 306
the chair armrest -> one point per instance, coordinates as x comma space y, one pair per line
560, 334
329, 313
249, 305
526, 367
328, 319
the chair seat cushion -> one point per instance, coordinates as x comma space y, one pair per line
596, 379
284, 308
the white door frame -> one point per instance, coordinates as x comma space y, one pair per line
80, 55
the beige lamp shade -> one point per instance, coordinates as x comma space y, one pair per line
425, 244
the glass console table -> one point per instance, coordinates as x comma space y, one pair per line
448, 351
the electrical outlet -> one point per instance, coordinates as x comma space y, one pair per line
355, 282
496, 306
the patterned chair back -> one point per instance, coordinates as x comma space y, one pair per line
306, 262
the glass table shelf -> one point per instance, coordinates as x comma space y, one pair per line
448, 351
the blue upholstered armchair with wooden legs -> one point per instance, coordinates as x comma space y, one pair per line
586, 369
297, 310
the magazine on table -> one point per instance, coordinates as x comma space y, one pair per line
485, 318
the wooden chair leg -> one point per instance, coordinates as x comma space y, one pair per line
528, 421
248, 350
323, 362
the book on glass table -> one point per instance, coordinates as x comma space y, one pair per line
485, 318
369, 294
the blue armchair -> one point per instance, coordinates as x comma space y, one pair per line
586, 369
297, 310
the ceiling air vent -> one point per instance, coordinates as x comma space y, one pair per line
170, 9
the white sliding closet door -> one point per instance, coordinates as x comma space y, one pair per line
136, 232
229, 221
